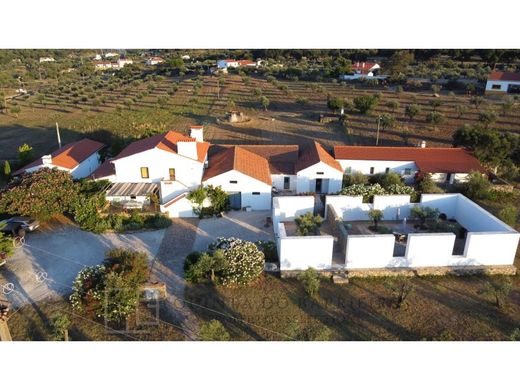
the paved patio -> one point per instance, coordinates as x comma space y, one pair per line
248, 226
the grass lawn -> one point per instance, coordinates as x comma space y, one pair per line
447, 308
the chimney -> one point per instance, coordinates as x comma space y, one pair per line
47, 159
422, 144
187, 149
197, 132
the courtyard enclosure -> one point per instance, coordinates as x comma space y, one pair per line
299, 252
488, 241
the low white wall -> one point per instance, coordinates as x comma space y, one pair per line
430, 249
286, 208
182, 208
369, 251
349, 208
446, 203
300, 253
392, 205
476, 219
491, 248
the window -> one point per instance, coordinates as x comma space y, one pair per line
348, 170
171, 171
496, 86
387, 170
133, 197
372, 170
256, 193
407, 171
319, 173
286, 182
144, 173
233, 181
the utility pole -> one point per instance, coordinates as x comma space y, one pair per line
58, 135
378, 126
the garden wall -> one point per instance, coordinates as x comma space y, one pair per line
369, 251
286, 208
491, 248
394, 207
430, 249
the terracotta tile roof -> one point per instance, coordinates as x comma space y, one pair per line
363, 67
315, 154
165, 141
104, 170
70, 155
239, 159
428, 160
504, 76
281, 158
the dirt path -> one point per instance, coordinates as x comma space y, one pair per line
168, 267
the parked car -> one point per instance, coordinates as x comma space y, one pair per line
14, 229
27, 223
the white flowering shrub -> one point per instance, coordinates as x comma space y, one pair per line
245, 262
368, 191
88, 288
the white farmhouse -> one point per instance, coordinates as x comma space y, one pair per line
47, 59
503, 82
170, 164
231, 63
317, 171
79, 158
122, 62
361, 70
103, 65
445, 165
154, 61
111, 55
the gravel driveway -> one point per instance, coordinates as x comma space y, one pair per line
51, 259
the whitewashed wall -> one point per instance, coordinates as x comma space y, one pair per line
300, 253
392, 205
430, 249
491, 248
278, 181
446, 203
187, 171
306, 177
286, 208
182, 208
349, 208
476, 219
369, 251
503, 85
380, 166
246, 185
86, 167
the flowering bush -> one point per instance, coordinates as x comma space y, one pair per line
245, 262
368, 191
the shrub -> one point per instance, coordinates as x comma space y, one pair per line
508, 214
477, 186
310, 280
207, 266
412, 110
366, 191
386, 179
366, 103
498, 287
308, 224
376, 216
424, 214
60, 327
213, 331
400, 287
269, 250
426, 185
245, 262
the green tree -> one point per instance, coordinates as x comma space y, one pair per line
25, 154
60, 327
213, 331
15, 110
498, 287
400, 287
412, 110
477, 101
335, 103
397, 65
476, 187
310, 280
393, 105
6, 246
7, 169
366, 103
435, 118
387, 121
461, 110
162, 101
487, 117
426, 185
376, 216
307, 224
508, 214
424, 214
264, 101
43, 194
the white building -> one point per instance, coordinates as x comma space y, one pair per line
171, 163
97, 57
111, 55
503, 82
102, 65
79, 158
122, 62
47, 59
154, 61
231, 63
445, 165
361, 70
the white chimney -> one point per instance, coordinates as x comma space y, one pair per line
187, 149
422, 144
197, 132
47, 159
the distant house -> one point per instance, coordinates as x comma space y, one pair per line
362, 70
231, 63
503, 82
154, 61
97, 57
47, 59
445, 165
185, 57
122, 62
111, 55
79, 158
102, 65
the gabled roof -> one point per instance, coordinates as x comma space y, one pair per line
68, 156
165, 141
428, 160
363, 67
104, 170
239, 159
314, 154
504, 76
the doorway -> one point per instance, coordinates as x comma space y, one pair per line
235, 200
319, 184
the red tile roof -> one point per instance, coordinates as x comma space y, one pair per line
70, 155
363, 67
165, 141
428, 160
239, 159
504, 76
104, 170
315, 154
